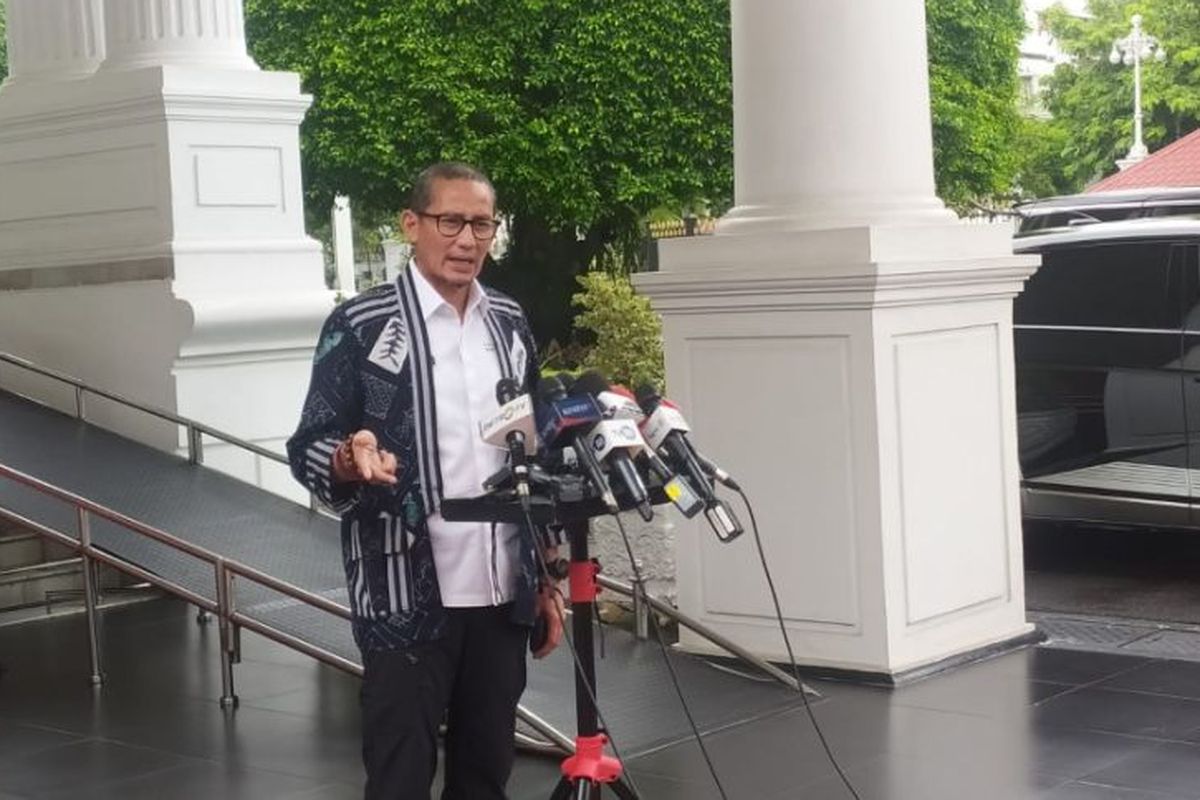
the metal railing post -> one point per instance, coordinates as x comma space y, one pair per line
195, 440
641, 612
89, 594
225, 622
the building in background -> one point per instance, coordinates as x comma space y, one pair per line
1039, 53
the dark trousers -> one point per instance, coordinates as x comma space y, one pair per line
473, 677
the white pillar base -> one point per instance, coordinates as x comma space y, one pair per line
152, 242
835, 212
859, 384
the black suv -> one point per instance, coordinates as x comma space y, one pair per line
1107, 336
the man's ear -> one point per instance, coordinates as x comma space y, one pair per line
408, 223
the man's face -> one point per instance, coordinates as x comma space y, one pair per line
450, 263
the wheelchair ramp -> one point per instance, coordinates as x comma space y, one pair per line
297, 546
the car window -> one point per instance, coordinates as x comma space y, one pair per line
1105, 286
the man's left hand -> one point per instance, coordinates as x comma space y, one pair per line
550, 608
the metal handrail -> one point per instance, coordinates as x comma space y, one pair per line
195, 429
697, 627
224, 568
225, 607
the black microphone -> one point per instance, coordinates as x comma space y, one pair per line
564, 425
666, 429
611, 441
514, 421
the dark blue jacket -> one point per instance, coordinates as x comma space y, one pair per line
372, 369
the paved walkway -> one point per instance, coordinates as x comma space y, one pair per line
1037, 723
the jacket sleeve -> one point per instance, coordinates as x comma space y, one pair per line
533, 368
332, 411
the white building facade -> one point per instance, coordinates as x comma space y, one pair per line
1039, 53
152, 234
843, 343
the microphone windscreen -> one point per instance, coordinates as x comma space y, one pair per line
590, 382
647, 397
549, 389
506, 390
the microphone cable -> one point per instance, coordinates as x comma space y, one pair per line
579, 672
788, 644
637, 574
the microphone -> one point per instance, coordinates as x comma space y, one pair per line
666, 429
718, 474
512, 426
612, 439
619, 404
562, 424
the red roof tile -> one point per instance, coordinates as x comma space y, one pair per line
1177, 164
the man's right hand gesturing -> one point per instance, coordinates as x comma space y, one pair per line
359, 458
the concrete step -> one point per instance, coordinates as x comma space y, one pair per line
20, 550
28, 585
32, 566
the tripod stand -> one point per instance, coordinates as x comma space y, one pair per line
589, 770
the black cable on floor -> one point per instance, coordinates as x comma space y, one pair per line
641, 586
788, 644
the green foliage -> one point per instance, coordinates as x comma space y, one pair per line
973, 50
627, 333
1040, 147
1092, 100
3, 45
586, 114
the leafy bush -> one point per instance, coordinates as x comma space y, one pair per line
627, 334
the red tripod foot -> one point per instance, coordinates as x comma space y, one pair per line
590, 769
590, 763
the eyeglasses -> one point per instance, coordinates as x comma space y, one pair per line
452, 225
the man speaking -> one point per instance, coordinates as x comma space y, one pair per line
402, 376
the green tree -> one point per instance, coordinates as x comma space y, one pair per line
587, 114
1040, 165
1091, 99
3, 45
973, 51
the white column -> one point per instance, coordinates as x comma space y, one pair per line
831, 115
54, 39
143, 33
152, 233
343, 245
844, 347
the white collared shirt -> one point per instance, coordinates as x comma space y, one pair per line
474, 566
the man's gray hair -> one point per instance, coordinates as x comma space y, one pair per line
422, 190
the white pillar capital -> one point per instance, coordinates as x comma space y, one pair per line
201, 33
54, 39
831, 116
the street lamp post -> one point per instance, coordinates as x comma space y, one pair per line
1132, 50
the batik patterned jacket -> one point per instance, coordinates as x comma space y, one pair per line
372, 369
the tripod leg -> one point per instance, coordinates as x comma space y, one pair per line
623, 790
563, 790
586, 790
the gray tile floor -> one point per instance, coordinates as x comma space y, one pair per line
1037, 723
